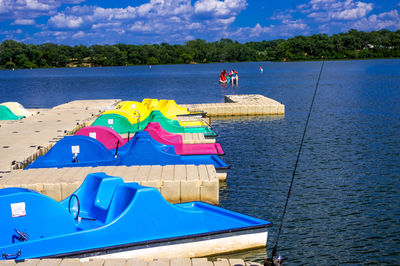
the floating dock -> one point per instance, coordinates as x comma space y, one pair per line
177, 183
137, 262
237, 105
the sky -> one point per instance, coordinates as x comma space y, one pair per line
88, 22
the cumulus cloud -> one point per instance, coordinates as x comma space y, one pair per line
384, 20
161, 19
326, 10
65, 21
215, 8
28, 9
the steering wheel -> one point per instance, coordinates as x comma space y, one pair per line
79, 205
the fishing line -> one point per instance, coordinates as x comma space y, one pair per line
274, 250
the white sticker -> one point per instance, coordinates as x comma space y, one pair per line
111, 121
133, 106
92, 135
75, 149
18, 209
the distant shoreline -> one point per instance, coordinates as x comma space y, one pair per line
353, 45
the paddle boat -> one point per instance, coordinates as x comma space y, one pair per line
149, 117
111, 139
17, 109
108, 218
164, 137
142, 149
168, 108
122, 124
6, 114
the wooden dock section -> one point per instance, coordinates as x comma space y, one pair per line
236, 105
138, 262
177, 183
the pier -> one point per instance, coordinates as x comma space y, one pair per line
138, 262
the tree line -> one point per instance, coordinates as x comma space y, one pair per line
351, 45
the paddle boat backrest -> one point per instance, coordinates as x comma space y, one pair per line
95, 195
151, 104
156, 128
136, 109
170, 108
142, 143
132, 119
7, 114
17, 109
72, 150
109, 137
102, 198
116, 122
28, 215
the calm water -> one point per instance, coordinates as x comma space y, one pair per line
345, 203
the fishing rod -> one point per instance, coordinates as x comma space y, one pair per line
277, 259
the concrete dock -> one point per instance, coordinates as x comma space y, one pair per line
177, 183
123, 262
237, 105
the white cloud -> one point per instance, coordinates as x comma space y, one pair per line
29, 9
326, 10
24, 22
79, 34
65, 21
161, 19
359, 11
215, 8
384, 20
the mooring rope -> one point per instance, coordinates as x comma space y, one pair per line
274, 250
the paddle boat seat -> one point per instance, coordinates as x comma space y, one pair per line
109, 137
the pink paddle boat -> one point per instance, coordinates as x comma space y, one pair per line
105, 135
164, 137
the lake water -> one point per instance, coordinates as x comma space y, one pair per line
345, 202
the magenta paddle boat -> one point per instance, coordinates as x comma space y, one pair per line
111, 139
160, 135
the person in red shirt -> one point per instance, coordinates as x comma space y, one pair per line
222, 77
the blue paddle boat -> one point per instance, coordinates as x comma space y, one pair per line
142, 149
106, 217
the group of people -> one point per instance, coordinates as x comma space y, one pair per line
232, 77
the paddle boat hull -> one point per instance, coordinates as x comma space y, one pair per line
80, 151
106, 217
122, 124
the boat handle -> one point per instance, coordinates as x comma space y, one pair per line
11, 256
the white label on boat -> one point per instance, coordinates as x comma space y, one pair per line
92, 135
111, 121
18, 209
75, 149
133, 106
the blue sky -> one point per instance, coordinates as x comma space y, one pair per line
75, 22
